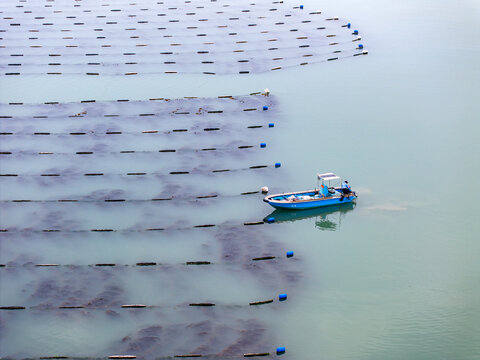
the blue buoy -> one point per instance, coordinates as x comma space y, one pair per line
289, 254
277, 165
349, 25
301, 6
280, 350
355, 32
270, 220
262, 145
265, 107
360, 46
282, 297
271, 125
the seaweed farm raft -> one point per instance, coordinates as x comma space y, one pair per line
170, 37
113, 213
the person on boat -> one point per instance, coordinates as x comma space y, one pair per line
346, 189
325, 191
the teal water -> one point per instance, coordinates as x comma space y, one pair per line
398, 277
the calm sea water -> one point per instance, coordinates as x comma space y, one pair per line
398, 277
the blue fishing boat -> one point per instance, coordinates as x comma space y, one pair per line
331, 190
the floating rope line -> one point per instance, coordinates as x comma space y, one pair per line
98, 174
87, 133
131, 230
282, 60
293, 59
313, 37
87, 306
76, 116
121, 200
288, 66
169, 151
132, 116
267, 353
237, 98
143, 263
136, 110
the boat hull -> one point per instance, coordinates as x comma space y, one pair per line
281, 215
280, 201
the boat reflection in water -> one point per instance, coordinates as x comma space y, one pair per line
326, 218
